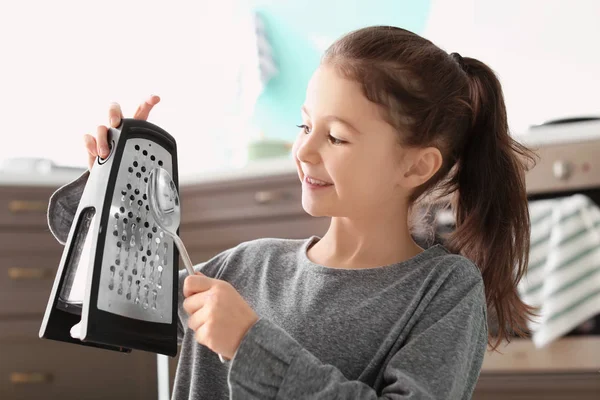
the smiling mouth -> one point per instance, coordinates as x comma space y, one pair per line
316, 182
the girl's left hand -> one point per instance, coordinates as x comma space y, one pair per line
218, 313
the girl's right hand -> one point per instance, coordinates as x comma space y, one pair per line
98, 146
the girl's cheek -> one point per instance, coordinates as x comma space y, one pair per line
295, 148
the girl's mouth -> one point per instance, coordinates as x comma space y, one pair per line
315, 183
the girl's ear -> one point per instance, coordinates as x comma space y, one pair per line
419, 166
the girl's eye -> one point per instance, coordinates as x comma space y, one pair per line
303, 127
332, 139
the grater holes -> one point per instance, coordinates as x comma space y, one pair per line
141, 253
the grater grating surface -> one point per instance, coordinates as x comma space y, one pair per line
135, 278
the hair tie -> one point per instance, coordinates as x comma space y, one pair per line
458, 58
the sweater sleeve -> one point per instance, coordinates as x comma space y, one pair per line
62, 207
440, 359
212, 268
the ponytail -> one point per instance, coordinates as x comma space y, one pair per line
492, 217
455, 104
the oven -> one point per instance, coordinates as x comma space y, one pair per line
568, 164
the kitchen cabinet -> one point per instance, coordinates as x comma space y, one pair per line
32, 368
216, 215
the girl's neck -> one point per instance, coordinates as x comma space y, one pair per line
346, 245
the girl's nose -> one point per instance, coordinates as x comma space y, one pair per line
307, 148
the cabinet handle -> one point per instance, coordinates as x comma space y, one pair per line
30, 378
16, 273
17, 206
270, 196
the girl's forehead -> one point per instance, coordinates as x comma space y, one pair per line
329, 92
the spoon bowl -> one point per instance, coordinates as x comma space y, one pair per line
163, 201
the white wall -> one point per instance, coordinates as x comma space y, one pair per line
64, 61
546, 52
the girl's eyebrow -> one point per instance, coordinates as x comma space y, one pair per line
335, 119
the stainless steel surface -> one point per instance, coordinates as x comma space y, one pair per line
136, 277
565, 167
165, 208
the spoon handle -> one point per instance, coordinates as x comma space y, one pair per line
184, 254
188, 264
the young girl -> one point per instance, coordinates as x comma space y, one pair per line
364, 312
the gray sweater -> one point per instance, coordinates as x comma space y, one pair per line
411, 330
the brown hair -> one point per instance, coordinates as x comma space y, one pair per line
455, 104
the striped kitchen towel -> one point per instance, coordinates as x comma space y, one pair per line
563, 278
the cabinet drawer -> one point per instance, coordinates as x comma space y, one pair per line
25, 282
33, 368
248, 199
18, 241
524, 386
204, 238
565, 355
24, 206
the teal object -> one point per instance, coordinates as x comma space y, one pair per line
268, 148
295, 27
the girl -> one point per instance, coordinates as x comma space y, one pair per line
364, 312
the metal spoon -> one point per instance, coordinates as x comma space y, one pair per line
163, 201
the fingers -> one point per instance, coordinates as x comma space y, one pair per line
200, 313
143, 111
98, 146
102, 141
197, 283
115, 115
92, 149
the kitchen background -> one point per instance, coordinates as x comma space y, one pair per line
232, 75
64, 61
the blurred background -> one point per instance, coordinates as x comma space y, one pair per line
64, 61
232, 76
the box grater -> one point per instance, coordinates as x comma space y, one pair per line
116, 285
